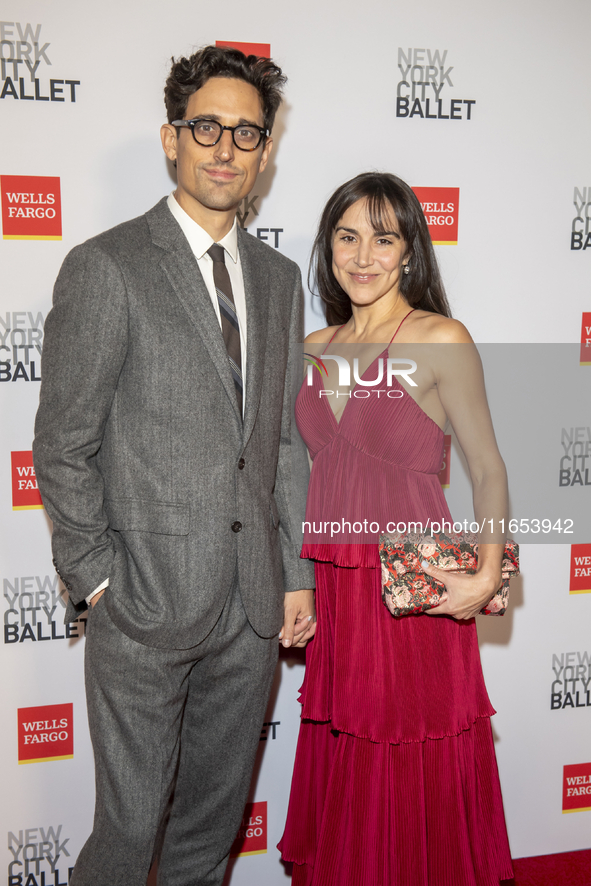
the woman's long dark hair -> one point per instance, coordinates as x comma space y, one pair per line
422, 287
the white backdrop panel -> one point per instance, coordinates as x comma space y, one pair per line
512, 277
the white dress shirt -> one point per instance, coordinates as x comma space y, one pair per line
200, 241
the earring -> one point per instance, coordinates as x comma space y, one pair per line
406, 269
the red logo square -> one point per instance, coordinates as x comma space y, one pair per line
46, 733
441, 208
576, 788
444, 473
586, 339
252, 835
31, 207
580, 569
25, 492
262, 50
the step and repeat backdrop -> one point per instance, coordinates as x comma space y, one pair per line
484, 110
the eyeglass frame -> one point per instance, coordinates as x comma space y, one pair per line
190, 124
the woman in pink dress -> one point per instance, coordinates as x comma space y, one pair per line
395, 780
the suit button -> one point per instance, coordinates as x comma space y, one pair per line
236, 526
241, 463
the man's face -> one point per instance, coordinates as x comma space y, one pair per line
213, 180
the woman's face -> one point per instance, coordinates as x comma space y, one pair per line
368, 263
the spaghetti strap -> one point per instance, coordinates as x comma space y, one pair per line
399, 325
391, 340
339, 328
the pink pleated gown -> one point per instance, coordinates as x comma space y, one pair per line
395, 780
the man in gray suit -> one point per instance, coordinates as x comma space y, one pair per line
162, 449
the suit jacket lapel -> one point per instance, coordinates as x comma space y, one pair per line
180, 266
256, 290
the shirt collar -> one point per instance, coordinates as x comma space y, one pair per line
199, 239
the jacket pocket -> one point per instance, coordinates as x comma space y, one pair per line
141, 515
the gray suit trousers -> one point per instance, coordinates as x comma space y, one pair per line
174, 733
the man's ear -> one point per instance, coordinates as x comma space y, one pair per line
266, 153
169, 141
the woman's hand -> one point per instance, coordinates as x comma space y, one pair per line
299, 619
464, 595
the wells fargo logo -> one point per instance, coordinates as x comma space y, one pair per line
580, 569
252, 835
46, 733
586, 339
25, 492
31, 207
441, 209
576, 788
444, 473
263, 50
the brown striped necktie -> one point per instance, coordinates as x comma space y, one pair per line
230, 327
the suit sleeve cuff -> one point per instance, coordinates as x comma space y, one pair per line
101, 587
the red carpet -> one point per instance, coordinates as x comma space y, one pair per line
564, 869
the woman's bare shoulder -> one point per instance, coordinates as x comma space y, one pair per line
320, 336
429, 327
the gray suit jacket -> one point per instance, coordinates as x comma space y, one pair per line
142, 459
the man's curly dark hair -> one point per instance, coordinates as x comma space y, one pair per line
187, 75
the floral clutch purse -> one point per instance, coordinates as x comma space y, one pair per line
407, 590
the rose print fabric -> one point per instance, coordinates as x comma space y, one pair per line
407, 590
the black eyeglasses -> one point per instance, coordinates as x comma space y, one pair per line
207, 133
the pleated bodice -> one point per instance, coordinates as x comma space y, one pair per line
378, 465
